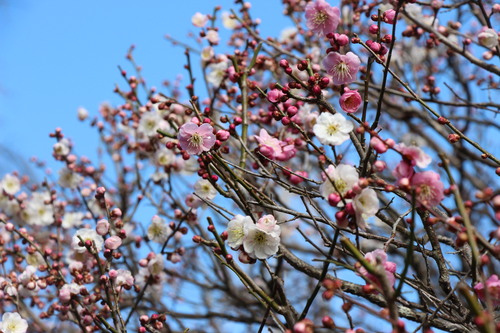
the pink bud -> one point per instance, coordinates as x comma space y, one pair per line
113, 242
350, 101
378, 145
102, 227
373, 29
389, 16
379, 166
341, 39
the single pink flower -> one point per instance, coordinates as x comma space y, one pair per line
403, 170
379, 257
275, 95
350, 101
342, 68
428, 188
414, 155
493, 287
321, 18
273, 148
113, 242
196, 139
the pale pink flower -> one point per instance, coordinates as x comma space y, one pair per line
196, 139
267, 223
322, 18
403, 170
274, 148
122, 277
350, 101
275, 95
428, 188
342, 68
375, 258
212, 36
488, 38
493, 287
113, 242
415, 155
199, 20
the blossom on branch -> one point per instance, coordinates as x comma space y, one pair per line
196, 139
12, 322
379, 258
332, 129
342, 67
321, 18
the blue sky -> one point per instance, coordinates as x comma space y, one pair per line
58, 55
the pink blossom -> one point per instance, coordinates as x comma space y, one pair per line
389, 16
196, 139
275, 95
342, 68
350, 101
375, 258
274, 148
493, 287
102, 227
415, 155
322, 18
113, 242
428, 187
403, 170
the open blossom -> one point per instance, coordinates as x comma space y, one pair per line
342, 68
10, 184
72, 219
488, 38
415, 155
69, 178
196, 139
350, 101
122, 278
204, 189
212, 36
68, 290
39, 210
199, 20
228, 22
216, 73
321, 18
428, 188
12, 322
365, 205
274, 148
338, 179
332, 129
236, 230
164, 156
158, 231
113, 242
259, 243
492, 287
274, 95
379, 257
150, 122
62, 147
86, 235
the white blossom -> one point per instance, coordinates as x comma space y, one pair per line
10, 184
343, 176
164, 156
365, 205
82, 113
228, 22
260, 244
332, 129
12, 322
212, 36
86, 235
150, 122
204, 189
158, 230
236, 230
72, 219
62, 147
69, 179
488, 38
39, 210
216, 73
199, 20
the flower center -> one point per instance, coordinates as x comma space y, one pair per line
331, 129
260, 237
342, 71
340, 185
320, 17
425, 192
196, 140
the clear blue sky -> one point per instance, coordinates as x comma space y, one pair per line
57, 55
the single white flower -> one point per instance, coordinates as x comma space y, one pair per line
236, 230
62, 147
260, 244
365, 205
343, 176
10, 184
86, 235
332, 129
69, 179
72, 219
199, 20
82, 113
39, 210
150, 122
488, 38
12, 322
216, 73
228, 22
156, 265
158, 230
212, 36
207, 53
164, 156
204, 189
